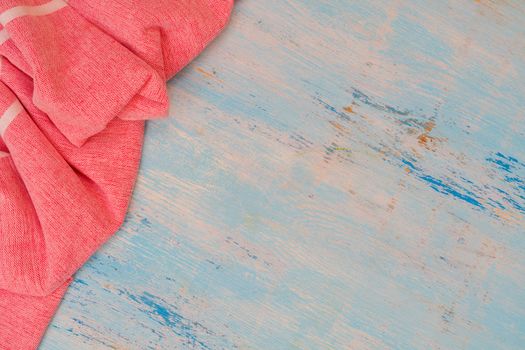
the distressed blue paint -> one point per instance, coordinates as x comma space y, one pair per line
166, 315
349, 175
442, 187
361, 97
501, 164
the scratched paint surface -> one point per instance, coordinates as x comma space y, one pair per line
336, 174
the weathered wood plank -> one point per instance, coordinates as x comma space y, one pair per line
335, 175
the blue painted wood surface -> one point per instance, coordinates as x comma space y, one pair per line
336, 174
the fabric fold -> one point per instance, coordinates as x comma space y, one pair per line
58, 194
77, 81
83, 78
166, 34
33, 314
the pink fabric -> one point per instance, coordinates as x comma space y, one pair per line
84, 78
30, 315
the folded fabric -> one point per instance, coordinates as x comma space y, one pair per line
166, 34
59, 195
76, 83
32, 315
74, 64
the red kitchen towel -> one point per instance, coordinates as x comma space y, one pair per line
77, 81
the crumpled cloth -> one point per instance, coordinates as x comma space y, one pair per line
77, 81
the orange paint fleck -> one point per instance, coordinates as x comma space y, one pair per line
338, 126
429, 126
425, 139
210, 75
348, 109
205, 73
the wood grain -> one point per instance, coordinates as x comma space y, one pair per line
335, 174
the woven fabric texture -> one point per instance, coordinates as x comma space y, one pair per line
77, 82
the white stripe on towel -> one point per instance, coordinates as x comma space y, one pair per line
10, 115
37, 10
4, 36
4, 154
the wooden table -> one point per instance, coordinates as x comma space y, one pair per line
335, 174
